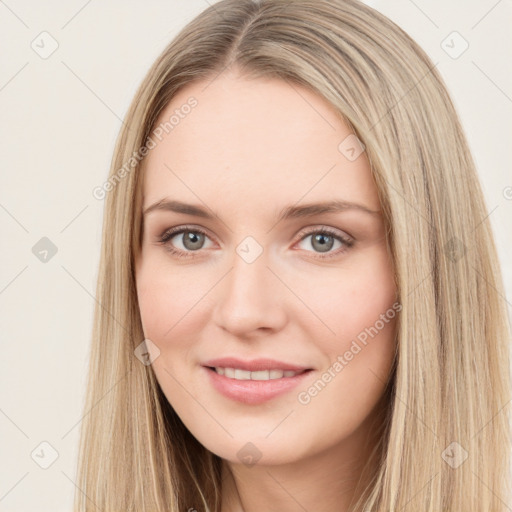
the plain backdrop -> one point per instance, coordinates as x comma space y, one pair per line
60, 115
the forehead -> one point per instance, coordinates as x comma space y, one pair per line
250, 139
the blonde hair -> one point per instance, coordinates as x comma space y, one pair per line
452, 381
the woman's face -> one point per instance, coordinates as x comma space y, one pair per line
255, 277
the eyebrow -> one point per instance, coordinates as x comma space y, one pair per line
289, 212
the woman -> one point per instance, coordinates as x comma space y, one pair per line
299, 294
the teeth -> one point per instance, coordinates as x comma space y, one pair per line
235, 373
242, 375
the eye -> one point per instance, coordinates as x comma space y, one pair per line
323, 239
191, 239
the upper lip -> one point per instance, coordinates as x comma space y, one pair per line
253, 365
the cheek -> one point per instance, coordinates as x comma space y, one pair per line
359, 306
168, 298
172, 313
350, 299
156, 305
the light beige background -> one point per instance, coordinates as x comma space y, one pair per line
60, 116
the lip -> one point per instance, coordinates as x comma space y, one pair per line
253, 392
254, 365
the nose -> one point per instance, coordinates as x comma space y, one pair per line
250, 298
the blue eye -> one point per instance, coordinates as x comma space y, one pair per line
193, 239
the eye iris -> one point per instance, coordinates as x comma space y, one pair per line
320, 238
192, 240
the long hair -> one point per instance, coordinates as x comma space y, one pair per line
447, 438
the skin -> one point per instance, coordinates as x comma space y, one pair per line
247, 150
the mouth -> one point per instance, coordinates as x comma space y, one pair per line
254, 387
259, 375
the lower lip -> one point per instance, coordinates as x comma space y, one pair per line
254, 392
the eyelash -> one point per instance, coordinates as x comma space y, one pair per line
171, 233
